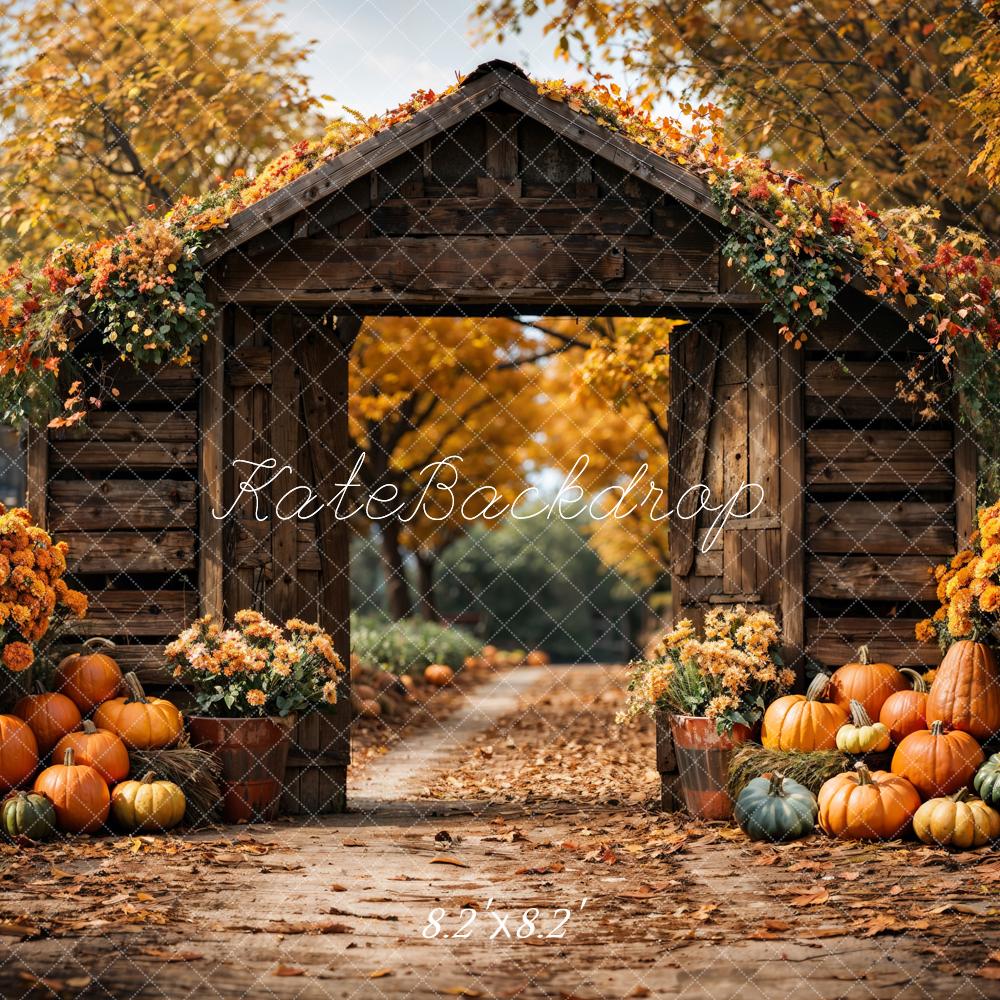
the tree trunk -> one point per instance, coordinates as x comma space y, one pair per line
425, 586
397, 587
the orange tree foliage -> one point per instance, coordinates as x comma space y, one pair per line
113, 105
426, 389
858, 90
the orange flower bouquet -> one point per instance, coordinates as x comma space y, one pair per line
729, 676
968, 587
33, 593
256, 668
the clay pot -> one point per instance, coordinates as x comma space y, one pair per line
252, 754
703, 763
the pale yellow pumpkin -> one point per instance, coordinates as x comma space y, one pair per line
956, 821
861, 735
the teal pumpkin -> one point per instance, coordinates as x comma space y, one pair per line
29, 815
987, 781
776, 808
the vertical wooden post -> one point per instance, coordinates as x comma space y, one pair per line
322, 747
966, 471
284, 438
211, 412
37, 472
791, 461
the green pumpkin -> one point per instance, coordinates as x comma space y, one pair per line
776, 809
29, 815
987, 781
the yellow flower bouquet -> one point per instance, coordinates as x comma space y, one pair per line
968, 587
33, 593
256, 668
729, 676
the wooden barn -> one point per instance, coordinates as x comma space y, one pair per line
498, 201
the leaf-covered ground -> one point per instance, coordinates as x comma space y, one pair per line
532, 866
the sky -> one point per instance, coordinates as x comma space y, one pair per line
372, 54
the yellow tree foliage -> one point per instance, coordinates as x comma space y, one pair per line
853, 89
611, 404
981, 54
110, 106
426, 389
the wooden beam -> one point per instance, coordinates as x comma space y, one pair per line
871, 578
791, 473
693, 357
835, 641
37, 472
109, 504
211, 415
872, 527
966, 474
130, 551
882, 460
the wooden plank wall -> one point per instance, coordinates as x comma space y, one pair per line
861, 493
122, 490
882, 494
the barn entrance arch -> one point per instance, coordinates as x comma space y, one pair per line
498, 201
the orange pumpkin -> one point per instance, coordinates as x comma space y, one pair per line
142, 722
79, 794
102, 750
50, 715
88, 678
803, 722
905, 712
859, 805
965, 694
869, 683
18, 752
936, 762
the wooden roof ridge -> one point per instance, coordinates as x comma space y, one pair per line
490, 83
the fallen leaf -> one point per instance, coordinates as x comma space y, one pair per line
380, 973
461, 991
811, 898
288, 970
354, 843
556, 866
337, 887
448, 860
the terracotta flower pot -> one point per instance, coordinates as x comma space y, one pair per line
703, 764
252, 754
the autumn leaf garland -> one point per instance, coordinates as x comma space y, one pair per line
797, 242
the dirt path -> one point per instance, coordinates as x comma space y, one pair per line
544, 811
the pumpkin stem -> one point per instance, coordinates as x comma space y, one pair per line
858, 714
88, 727
817, 687
68, 757
777, 785
916, 681
864, 775
961, 795
147, 778
864, 655
135, 690
98, 640
937, 728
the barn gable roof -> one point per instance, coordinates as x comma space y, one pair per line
491, 83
